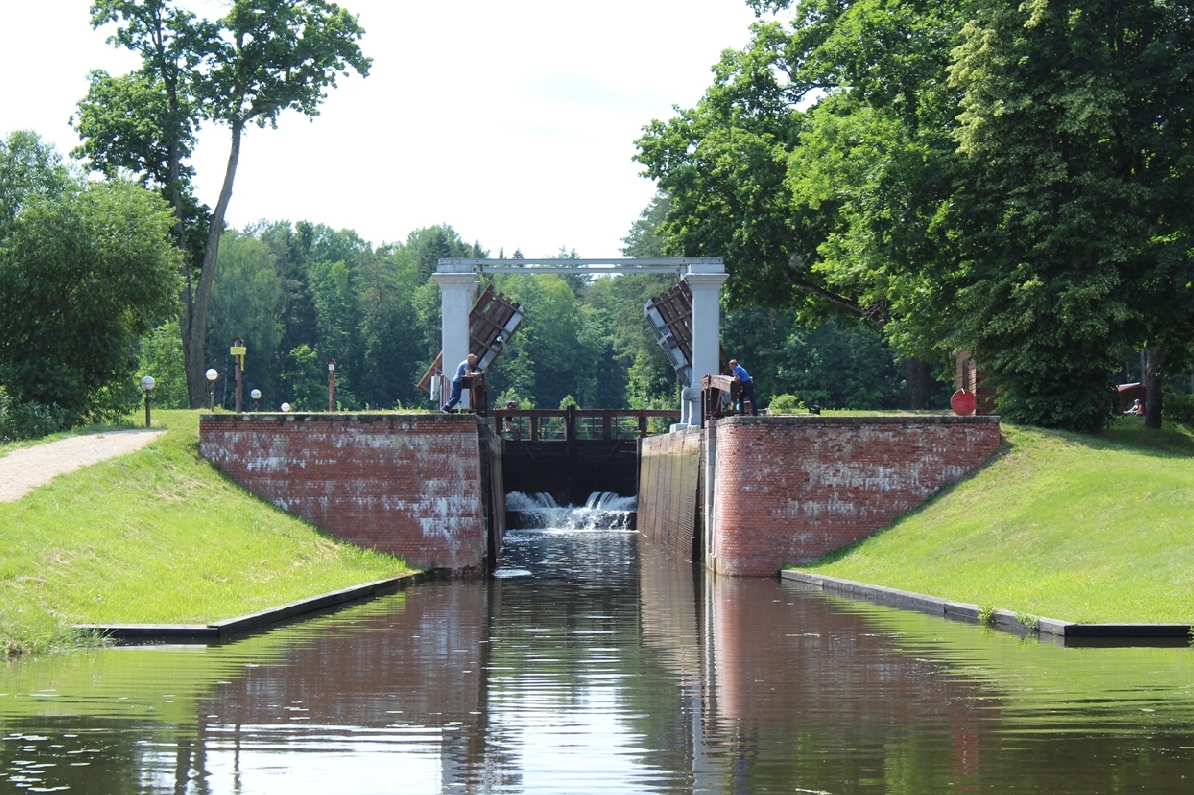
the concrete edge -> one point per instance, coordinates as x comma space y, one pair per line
1003, 619
221, 630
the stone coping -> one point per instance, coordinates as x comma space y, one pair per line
1004, 619
222, 630
864, 419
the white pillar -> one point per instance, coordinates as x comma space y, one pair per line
457, 285
705, 281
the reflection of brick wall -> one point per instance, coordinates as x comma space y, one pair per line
408, 485
790, 489
669, 467
968, 376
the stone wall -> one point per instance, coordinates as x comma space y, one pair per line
790, 489
411, 485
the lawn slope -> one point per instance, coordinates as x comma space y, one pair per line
158, 536
1073, 527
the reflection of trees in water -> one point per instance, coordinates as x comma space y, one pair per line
684, 680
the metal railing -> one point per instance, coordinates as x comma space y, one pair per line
564, 425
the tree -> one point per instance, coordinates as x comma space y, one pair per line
1008, 178
263, 58
86, 269
1074, 221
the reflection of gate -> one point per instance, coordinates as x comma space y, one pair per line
492, 320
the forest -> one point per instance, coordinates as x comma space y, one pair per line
303, 294
889, 182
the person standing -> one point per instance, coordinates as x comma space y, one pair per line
465, 368
747, 391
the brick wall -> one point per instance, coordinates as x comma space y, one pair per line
410, 485
790, 489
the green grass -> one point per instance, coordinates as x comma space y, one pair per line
157, 536
1073, 527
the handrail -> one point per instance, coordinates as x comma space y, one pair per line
564, 425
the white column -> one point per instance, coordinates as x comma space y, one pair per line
457, 286
705, 281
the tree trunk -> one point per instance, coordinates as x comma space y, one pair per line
919, 379
196, 380
1152, 382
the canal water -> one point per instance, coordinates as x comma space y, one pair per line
593, 664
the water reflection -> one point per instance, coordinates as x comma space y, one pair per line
604, 668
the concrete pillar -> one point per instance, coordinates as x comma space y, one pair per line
457, 286
705, 281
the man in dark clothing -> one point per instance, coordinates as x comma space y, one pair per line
747, 391
467, 367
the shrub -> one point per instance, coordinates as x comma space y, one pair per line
785, 404
1179, 408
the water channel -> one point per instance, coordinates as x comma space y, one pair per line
594, 664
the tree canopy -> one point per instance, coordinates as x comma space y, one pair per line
86, 269
263, 58
1007, 178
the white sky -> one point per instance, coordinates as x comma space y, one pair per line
512, 121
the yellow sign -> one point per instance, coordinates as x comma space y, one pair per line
239, 352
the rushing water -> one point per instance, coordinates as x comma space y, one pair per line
594, 665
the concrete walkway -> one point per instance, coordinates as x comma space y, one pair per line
26, 468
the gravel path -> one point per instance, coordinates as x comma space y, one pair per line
26, 468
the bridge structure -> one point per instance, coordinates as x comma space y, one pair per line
458, 279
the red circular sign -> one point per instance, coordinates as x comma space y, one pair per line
963, 403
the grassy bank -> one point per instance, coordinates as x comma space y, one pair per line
1073, 527
157, 536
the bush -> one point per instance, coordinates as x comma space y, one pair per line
29, 420
1178, 408
785, 404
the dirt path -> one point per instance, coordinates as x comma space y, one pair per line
25, 469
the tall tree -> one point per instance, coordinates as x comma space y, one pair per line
86, 268
262, 58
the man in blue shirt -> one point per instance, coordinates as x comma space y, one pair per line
467, 367
748, 388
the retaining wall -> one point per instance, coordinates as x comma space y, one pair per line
416, 486
782, 490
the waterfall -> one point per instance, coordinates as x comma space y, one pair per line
603, 510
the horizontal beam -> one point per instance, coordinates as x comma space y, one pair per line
631, 262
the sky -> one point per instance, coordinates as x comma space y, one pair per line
514, 122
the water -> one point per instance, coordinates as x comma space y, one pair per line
604, 510
595, 665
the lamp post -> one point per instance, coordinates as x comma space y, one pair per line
285, 407
147, 385
212, 375
256, 395
331, 384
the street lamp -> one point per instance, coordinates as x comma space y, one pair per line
285, 407
256, 395
212, 375
147, 385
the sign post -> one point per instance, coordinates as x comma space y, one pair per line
238, 350
331, 384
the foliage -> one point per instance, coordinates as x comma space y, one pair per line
86, 268
785, 404
263, 58
162, 357
1010, 179
1180, 408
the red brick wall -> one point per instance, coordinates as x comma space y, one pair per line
410, 485
790, 489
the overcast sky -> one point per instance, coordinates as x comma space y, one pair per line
514, 122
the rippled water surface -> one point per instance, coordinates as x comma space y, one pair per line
591, 666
